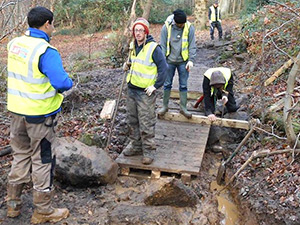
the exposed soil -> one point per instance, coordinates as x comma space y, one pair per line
81, 117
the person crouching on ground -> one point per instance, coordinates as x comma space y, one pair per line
147, 72
218, 84
36, 78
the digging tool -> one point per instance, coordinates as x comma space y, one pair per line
198, 102
222, 167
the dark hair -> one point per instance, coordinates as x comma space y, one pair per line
38, 16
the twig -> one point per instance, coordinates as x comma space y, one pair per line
279, 49
277, 28
282, 93
272, 134
255, 155
295, 145
289, 8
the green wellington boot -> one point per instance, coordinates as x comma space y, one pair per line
166, 98
183, 102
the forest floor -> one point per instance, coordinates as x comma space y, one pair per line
250, 201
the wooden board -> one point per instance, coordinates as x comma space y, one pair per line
180, 150
175, 116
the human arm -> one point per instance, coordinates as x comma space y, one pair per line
209, 15
163, 39
192, 44
51, 65
162, 66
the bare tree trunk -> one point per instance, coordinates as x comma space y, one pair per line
288, 107
127, 34
147, 9
200, 14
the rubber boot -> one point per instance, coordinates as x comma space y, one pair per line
166, 98
44, 212
183, 101
14, 192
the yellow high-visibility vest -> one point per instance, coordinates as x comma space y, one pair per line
225, 71
213, 14
143, 70
29, 92
184, 40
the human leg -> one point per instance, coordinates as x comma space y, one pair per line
43, 163
220, 31
133, 123
231, 104
183, 75
147, 120
21, 164
212, 28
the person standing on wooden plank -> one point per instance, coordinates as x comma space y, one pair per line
36, 79
214, 17
178, 45
147, 72
218, 84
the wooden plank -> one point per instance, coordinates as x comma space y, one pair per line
155, 174
191, 95
108, 109
173, 116
186, 178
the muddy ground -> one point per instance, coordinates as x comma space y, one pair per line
108, 204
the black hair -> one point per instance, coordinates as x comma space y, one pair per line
38, 16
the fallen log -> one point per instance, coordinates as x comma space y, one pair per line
285, 66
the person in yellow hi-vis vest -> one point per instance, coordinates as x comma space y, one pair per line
147, 72
214, 17
218, 84
178, 44
36, 79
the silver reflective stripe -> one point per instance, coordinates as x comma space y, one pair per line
143, 62
30, 80
184, 49
151, 48
31, 95
30, 71
147, 76
184, 40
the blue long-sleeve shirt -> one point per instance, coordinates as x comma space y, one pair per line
50, 65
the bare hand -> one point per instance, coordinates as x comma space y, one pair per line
211, 117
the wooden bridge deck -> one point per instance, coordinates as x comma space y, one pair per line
180, 149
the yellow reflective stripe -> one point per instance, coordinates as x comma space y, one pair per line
30, 80
31, 59
32, 95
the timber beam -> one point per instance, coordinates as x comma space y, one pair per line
191, 95
174, 116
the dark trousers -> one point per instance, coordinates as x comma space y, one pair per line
229, 107
215, 24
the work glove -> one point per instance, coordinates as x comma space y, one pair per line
189, 65
149, 90
220, 21
126, 66
224, 99
211, 117
210, 22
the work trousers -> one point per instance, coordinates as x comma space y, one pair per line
141, 119
213, 25
183, 76
33, 152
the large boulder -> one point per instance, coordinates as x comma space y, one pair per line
81, 165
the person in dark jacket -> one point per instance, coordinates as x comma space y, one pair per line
36, 79
218, 84
214, 17
147, 72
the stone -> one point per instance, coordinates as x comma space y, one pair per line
81, 165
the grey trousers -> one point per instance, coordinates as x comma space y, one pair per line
33, 152
141, 119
